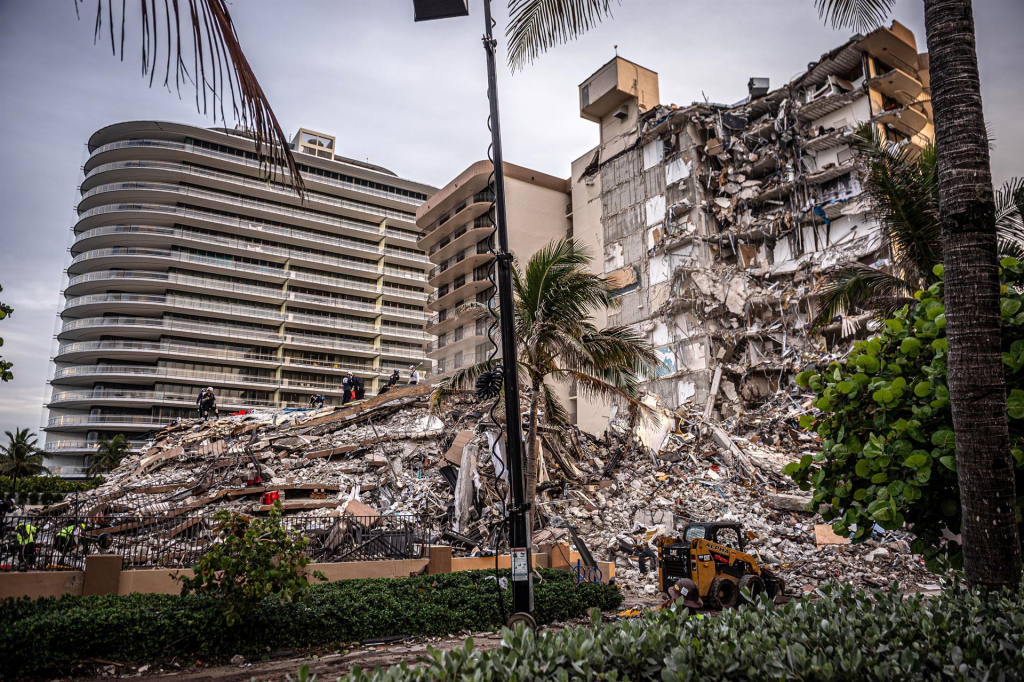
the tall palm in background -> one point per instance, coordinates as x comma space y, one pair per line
555, 299
21, 456
903, 190
109, 454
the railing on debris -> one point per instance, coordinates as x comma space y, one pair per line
177, 542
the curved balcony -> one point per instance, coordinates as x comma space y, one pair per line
189, 148
134, 256
469, 235
135, 193
101, 280
239, 183
90, 326
321, 343
146, 398
128, 350
129, 422
464, 264
467, 211
84, 374
461, 289
134, 303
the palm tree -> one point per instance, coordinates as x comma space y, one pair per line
903, 189
21, 456
967, 215
555, 299
109, 454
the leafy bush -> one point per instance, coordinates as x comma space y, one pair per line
255, 558
836, 634
48, 484
51, 635
887, 454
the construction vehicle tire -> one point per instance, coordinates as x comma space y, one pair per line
723, 594
754, 584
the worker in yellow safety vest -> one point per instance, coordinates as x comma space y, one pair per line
26, 536
65, 540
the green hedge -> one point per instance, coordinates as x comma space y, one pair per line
48, 484
836, 634
51, 635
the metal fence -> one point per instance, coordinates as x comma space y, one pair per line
62, 543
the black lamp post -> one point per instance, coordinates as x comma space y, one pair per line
522, 564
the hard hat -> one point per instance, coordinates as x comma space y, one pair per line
687, 590
209, 388
412, 366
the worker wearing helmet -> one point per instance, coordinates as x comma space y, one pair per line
686, 590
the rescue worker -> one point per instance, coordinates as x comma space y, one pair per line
359, 388
66, 537
347, 384
316, 402
207, 402
394, 379
687, 590
414, 375
26, 536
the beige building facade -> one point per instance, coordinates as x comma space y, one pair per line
456, 233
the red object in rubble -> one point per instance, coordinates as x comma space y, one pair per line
271, 497
254, 481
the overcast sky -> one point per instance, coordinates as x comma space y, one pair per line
411, 97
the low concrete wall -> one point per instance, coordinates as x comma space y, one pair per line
103, 574
36, 584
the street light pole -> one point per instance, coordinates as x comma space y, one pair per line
519, 529
522, 568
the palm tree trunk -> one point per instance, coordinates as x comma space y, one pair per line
531, 445
991, 545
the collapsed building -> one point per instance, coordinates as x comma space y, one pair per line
716, 222
386, 478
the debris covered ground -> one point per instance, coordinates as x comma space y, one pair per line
390, 457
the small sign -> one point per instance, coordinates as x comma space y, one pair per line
520, 570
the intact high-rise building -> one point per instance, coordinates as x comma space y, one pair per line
190, 270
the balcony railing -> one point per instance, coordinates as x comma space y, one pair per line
165, 373
181, 257
170, 324
232, 220
250, 163
462, 281
175, 278
165, 348
242, 181
182, 302
109, 395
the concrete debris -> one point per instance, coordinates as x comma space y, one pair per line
387, 457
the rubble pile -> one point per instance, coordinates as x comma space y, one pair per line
389, 457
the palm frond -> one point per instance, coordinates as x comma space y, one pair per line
217, 60
855, 285
555, 414
1010, 211
902, 190
535, 26
862, 16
